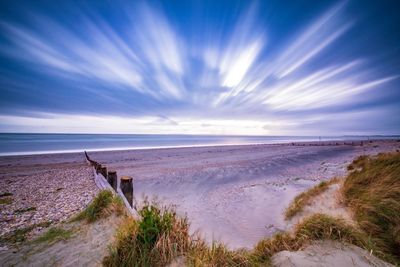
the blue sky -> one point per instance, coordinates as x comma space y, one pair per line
200, 67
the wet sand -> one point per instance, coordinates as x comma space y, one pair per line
234, 194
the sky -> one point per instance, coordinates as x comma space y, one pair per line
294, 67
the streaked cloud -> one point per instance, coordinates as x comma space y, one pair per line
151, 65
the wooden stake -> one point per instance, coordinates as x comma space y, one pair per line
127, 188
112, 179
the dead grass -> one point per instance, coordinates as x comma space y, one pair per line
372, 191
303, 199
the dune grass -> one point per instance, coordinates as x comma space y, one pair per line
101, 206
372, 191
54, 234
158, 238
161, 237
303, 199
315, 227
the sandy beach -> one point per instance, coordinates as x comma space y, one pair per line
234, 194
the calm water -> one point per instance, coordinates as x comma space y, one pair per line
18, 144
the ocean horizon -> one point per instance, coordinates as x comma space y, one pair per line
46, 143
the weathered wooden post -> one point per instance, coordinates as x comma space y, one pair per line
112, 179
127, 188
103, 171
98, 168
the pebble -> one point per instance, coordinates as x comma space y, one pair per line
39, 190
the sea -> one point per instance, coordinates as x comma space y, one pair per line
43, 143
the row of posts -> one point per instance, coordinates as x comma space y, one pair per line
360, 143
126, 183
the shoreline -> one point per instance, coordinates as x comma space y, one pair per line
137, 148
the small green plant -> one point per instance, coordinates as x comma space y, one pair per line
158, 238
54, 234
303, 199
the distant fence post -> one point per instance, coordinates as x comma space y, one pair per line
127, 188
112, 179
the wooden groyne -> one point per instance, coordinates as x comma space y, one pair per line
108, 180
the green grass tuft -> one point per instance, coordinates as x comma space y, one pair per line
101, 206
303, 199
158, 238
53, 235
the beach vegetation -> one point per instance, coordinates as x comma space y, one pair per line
53, 235
155, 240
372, 192
315, 227
161, 237
103, 204
304, 198
20, 235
